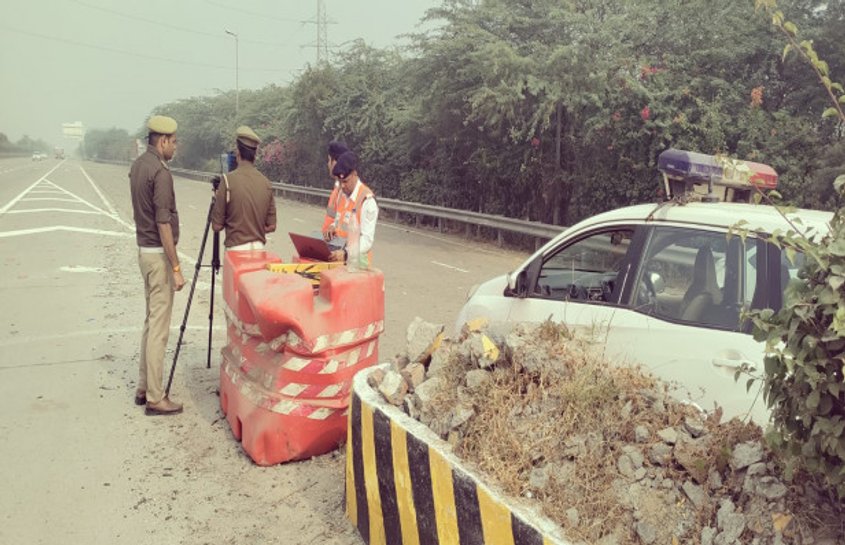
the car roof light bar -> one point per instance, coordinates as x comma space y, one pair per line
698, 167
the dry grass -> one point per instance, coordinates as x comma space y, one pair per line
568, 421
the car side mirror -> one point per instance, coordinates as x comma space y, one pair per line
518, 287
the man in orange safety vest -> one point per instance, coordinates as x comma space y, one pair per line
356, 200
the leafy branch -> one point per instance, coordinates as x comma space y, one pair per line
806, 50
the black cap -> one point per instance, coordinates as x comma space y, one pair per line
336, 149
346, 163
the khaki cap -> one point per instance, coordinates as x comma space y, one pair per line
247, 137
161, 124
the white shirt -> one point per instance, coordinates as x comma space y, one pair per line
369, 217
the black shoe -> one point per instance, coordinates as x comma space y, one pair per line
140, 398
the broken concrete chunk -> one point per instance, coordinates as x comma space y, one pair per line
393, 387
483, 350
423, 339
770, 488
692, 455
461, 415
730, 523
414, 374
668, 436
573, 517
400, 362
375, 378
478, 379
660, 454
440, 358
694, 426
642, 434
696, 494
426, 392
473, 326
646, 532
745, 454
538, 479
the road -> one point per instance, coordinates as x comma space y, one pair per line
81, 463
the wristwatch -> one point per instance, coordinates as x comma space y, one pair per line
177, 268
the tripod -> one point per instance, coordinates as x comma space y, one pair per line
215, 268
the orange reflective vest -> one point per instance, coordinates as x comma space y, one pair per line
331, 207
346, 207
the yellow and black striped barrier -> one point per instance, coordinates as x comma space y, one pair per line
403, 486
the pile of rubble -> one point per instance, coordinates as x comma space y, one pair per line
603, 449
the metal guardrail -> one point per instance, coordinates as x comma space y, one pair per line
490, 221
500, 224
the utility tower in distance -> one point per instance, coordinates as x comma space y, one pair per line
322, 22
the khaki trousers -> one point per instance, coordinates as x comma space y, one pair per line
158, 291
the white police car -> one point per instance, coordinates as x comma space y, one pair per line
662, 284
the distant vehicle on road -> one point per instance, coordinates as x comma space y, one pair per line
37, 156
59, 153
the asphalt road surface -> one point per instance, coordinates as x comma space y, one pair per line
80, 462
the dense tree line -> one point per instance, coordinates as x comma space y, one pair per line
110, 144
549, 110
24, 145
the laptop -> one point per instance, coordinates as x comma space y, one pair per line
311, 247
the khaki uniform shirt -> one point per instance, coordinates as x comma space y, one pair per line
250, 209
153, 199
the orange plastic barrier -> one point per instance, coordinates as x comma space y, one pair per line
292, 352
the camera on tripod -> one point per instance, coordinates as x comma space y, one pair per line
228, 160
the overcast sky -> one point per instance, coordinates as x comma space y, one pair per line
109, 63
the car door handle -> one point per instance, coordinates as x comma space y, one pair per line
730, 363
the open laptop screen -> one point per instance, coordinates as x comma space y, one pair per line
310, 247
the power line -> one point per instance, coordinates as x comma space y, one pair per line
133, 53
216, 35
253, 13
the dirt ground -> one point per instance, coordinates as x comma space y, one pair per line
80, 462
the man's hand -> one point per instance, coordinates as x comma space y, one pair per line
329, 233
178, 281
337, 255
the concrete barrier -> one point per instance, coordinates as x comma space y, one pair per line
404, 485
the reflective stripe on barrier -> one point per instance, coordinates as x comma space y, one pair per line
404, 486
333, 340
271, 401
292, 352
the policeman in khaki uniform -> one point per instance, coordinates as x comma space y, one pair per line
244, 205
157, 233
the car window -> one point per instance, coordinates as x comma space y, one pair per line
586, 269
698, 277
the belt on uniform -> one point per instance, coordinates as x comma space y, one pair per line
151, 249
256, 245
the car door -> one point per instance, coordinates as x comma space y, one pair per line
673, 305
581, 281
691, 333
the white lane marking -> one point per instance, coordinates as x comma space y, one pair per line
38, 230
80, 199
45, 192
32, 210
450, 267
99, 333
298, 220
100, 193
55, 199
14, 201
81, 269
